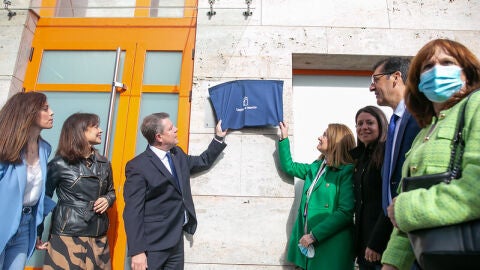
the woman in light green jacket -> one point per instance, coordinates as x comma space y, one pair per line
441, 76
325, 217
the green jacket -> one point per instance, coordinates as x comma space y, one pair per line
330, 213
442, 204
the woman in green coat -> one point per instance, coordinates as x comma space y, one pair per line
325, 217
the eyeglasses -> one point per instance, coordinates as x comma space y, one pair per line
376, 77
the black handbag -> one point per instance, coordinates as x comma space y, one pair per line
448, 247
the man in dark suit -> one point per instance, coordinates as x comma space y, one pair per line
158, 199
388, 84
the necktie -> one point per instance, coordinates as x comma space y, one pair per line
172, 168
174, 173
387, 163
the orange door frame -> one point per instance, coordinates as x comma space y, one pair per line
135, 36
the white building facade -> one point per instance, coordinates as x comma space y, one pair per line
321, 50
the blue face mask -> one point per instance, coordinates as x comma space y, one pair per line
441, 82
307, 251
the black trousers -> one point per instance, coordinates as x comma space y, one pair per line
170, 259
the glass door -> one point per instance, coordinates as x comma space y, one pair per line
75, 71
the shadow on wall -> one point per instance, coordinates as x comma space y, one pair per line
292, 215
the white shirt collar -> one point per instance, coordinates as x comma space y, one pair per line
400, 110
158, 152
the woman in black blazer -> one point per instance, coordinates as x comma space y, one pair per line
371, 236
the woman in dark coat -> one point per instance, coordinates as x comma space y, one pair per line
370, 235
82, 179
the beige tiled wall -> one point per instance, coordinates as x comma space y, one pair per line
245, 204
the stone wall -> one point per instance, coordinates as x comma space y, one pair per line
245, 204
16, 34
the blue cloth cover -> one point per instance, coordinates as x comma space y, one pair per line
248, 103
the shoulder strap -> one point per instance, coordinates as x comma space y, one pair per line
455, 165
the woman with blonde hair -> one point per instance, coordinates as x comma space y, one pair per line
322, 236
23, 166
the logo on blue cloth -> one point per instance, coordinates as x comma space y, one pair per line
245, 106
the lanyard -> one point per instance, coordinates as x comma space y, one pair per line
320, 172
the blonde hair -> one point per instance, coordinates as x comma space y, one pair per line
340, 141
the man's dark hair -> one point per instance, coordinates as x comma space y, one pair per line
393, 64
152, 125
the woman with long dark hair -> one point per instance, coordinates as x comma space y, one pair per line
82, 179
23, 169
371, 235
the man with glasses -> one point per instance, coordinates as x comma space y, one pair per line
388, 84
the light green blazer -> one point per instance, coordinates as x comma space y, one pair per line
443, 204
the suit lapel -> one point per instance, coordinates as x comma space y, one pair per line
401, 130
159, 165
317, 184
177, 169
